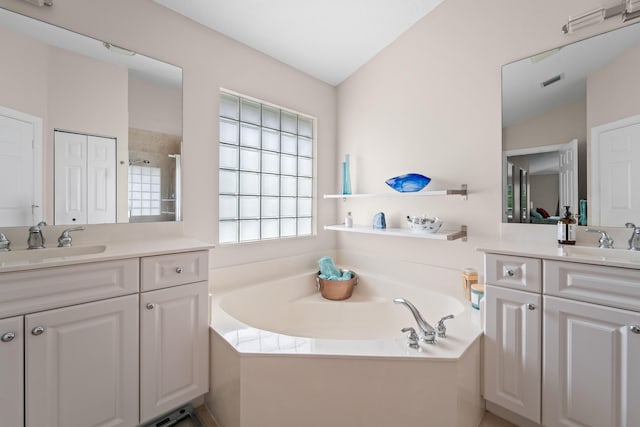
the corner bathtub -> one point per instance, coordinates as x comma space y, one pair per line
283, 356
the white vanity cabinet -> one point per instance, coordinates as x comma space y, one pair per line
513, 334
80, 345
82, 365
12, 371
174, 332
573, 362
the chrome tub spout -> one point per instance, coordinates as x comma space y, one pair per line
428, 332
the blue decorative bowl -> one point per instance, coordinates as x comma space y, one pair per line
408, 183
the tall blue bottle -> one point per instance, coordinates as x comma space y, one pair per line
346, 178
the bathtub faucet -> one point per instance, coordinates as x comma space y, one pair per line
428, 332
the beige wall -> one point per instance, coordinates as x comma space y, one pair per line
155, 107
556, 126
209, 61
17, 67
613, 91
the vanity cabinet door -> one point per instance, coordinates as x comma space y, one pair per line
512, 350
12, 372
82, 365
591, 370
174, 348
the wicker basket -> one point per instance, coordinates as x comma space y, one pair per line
336, 290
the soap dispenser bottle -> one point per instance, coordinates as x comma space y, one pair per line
567, 228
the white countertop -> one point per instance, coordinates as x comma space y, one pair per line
581, 254
10, 261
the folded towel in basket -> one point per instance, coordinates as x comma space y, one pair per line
329, 271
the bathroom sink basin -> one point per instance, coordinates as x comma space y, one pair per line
27, 255
603, 254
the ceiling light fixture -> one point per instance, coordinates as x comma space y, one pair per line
40, 3
629, 9
117, 49
589, 18
632, 10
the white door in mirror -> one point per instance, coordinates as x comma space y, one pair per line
85, 179
615, 175
19, 159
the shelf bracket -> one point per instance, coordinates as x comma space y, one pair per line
465, 195
463, 228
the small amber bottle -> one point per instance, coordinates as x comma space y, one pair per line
567, 228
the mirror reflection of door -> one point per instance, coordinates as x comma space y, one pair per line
615, 172
516, 193
20, 168
540, 180
85, 179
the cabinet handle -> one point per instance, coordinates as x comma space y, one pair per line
531, 306
179, 269
7, 337
635, 329
150, 306
38, 330
511, 273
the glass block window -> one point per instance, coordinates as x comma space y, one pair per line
266, 171
144, 191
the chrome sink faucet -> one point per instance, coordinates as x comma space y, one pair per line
634, 240
36, 238
64, 241
605, 242
428, 332
5, 244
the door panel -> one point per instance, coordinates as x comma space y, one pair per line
70, 178
590, 374
173, 348
19, 159
85, 171
568, 175
101, 180
512, 351
615, 172
82, 368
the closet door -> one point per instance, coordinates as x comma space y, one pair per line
101, 180
70, 178
85, 179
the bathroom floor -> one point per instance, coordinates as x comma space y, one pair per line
489, 420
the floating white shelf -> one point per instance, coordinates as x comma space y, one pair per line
462, 191
403, 232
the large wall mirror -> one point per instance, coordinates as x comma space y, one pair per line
571, 132
90, 132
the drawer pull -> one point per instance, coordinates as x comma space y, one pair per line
511, 273
38, 330
150, 306
179, 269
635, 329
531, 306
7, 337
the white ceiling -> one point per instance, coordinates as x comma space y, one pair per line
327, 39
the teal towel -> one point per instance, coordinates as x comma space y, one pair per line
328, 270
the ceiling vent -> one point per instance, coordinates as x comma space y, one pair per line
552, 80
